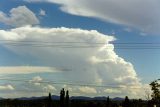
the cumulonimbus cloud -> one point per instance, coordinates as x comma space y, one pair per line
87, 56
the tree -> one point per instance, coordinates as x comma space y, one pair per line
108, 102
155, 87
67, 98
126, 102
49, 100
62, 95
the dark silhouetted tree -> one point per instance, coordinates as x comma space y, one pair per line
49, 100
67, 98
62, 97
155, 87
126, 102
108, 102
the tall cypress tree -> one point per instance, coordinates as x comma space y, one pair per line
67, 99
62, 95
108, 102
126, 102
49, 100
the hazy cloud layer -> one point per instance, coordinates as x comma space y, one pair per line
88, 90
141, 14
25, 69
99, 65
19, 16
110, 90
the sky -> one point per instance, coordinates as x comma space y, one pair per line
89, 47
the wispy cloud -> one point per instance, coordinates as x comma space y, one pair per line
140, 14
109, 90
88, 90
25, 69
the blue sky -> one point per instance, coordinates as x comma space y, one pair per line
68, 18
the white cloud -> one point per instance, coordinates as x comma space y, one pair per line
109, 90
25, 69
6, 87
100, 65
36, 80
68, 88
49, 88
38, 84
141, 14
42, 12
88, 90
19, 16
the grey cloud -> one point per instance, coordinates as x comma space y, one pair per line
143, 15
19, 16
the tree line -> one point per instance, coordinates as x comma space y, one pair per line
65, 101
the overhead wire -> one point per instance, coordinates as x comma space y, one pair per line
63, 44
40, 41
72, 84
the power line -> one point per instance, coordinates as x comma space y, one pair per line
72, 84
80, 46
59, 44
34, 41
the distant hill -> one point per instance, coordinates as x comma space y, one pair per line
1, 98
31, 98
117, 99
55, 97
100, 98
80, 98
